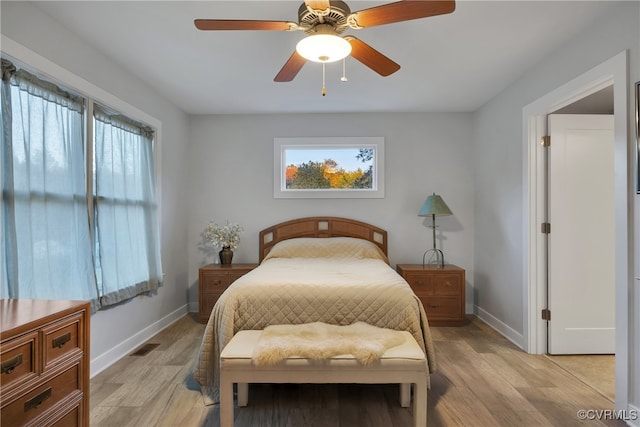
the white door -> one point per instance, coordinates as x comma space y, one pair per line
581, 285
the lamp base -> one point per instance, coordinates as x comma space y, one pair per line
435, 258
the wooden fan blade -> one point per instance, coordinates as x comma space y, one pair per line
371, 57
403, 11
317, 4
239, 24
291, 68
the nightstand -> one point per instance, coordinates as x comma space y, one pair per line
441, 290
213, 280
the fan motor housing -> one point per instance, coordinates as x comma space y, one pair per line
337, 17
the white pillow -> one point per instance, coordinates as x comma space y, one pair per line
326, 247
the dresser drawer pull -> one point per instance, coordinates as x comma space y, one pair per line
34, 402
432, 305
10, 365
61, 340
217, 282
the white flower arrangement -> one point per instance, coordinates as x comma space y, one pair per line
223, 236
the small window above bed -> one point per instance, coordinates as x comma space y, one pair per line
346, 167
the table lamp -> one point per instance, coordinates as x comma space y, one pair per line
434, 205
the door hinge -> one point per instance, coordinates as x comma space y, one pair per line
545, 141
545, 228
546, 314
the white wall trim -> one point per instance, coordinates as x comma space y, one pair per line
501, 327
613, 71
108, 358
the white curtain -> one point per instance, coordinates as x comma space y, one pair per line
46, 242
127, 238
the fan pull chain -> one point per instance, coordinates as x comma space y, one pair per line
324, 90
344, 71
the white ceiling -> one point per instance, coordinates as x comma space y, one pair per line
452, 63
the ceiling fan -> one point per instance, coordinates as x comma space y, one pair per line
324, 20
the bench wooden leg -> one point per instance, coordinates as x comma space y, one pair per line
405, 395
226, 401
243, 394
420, 403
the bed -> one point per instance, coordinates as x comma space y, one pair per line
315, 269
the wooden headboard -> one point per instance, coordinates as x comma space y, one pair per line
321, 226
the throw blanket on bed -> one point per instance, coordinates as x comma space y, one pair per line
320, 341
294, 291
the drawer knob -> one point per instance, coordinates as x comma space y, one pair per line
419, 282
61, 340
432, 305
34, 402
9, 366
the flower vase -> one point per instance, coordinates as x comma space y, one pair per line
226, 255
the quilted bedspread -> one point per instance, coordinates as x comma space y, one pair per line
304, 290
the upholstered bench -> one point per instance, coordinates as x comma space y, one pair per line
404, 364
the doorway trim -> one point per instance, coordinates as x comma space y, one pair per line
611, 72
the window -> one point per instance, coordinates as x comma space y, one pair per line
329, 167
60, 240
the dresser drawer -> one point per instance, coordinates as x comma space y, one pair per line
70, 415
38, 402
45, 363
19, 363
62, 340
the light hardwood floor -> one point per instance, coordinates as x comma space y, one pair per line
597, 370
482, 380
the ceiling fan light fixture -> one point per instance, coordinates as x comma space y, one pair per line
323, 48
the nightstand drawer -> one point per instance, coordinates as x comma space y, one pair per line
440, 289
442, 308
420, 283
211, 281
209, 299
446, 284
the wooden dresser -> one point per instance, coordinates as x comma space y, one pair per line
213, 280
45, 363
441, 290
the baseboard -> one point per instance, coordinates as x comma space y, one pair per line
501, 327
108, 358
633, 416
468, 308
194, 307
